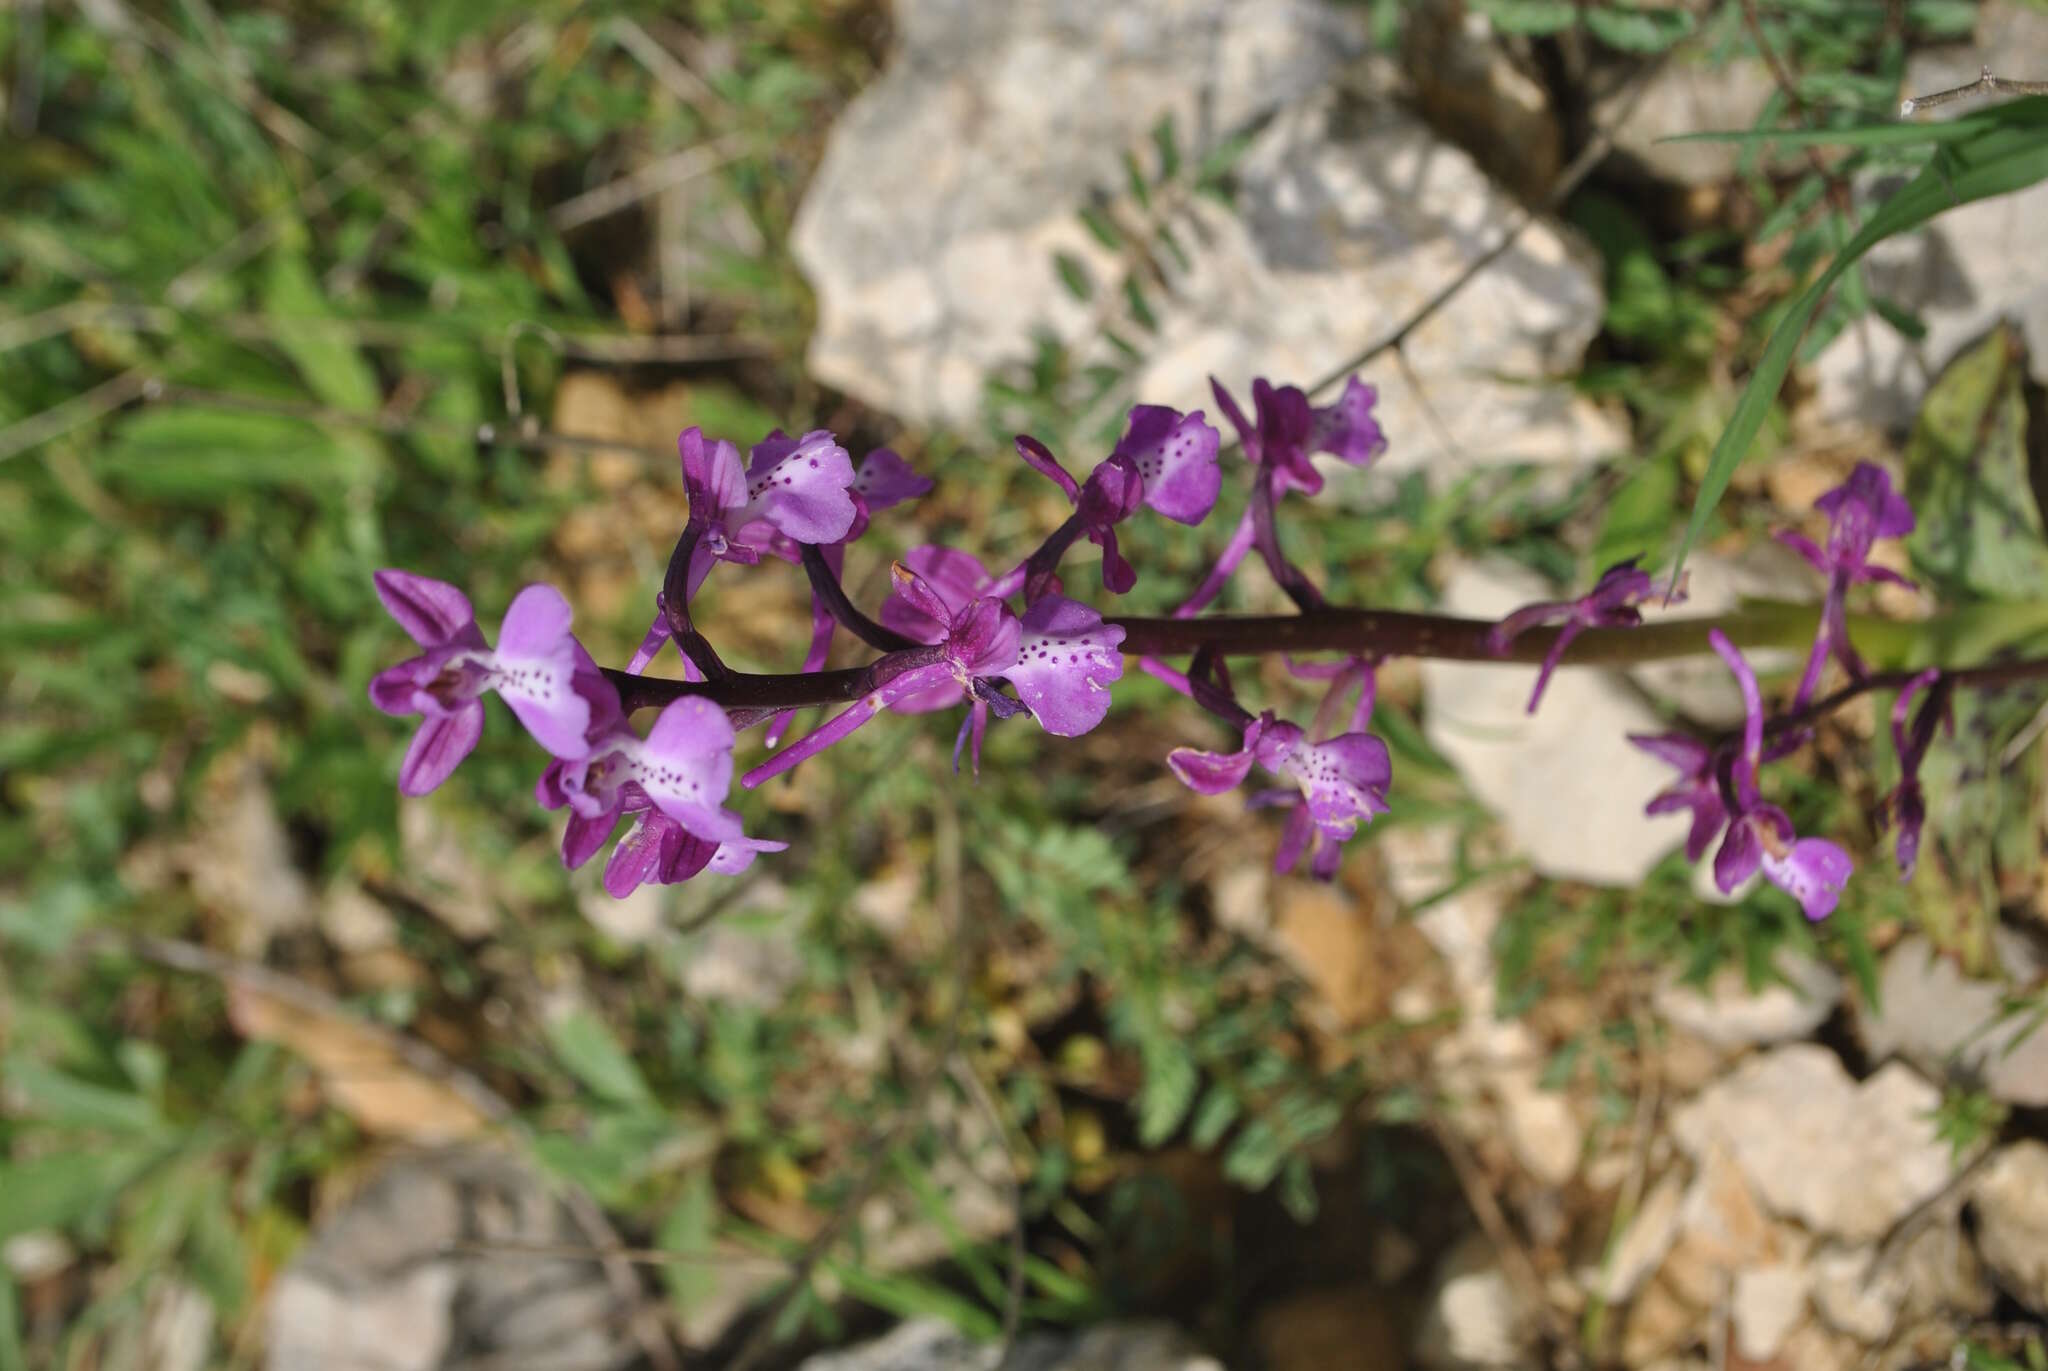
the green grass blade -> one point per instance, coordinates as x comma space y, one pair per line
2008, 152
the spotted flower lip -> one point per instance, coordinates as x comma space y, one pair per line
1811, 870
538, 669
1611, 603
1060, 657
683, 768
1339, 784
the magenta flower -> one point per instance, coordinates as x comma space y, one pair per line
659, 851
1610, 604
682, 768
1060, 658
1861, 510
538, 669
1810, 870
792, 491
1165, 460
1339, 783
1289, 430
1280, 445
1907, 805
1698, 787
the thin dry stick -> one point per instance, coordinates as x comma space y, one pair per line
60, 418
664, 174
1985, 84
1479, 1196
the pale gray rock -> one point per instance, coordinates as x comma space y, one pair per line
1688, 96
1474, 1320
1949, 1024
1643, 1245
1963, 272
1847, 1159
2010, 1199
932, 1345
1728, 1013
930, 228
1566, 783
1766, 1305
403, 1278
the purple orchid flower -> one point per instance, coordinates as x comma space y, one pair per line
1165, 460
659, 851
798, 489
1698, 787
681, 769
1907, 804
538, 669
1810, 870
1060, 657
1338, 783
1610, 604
1861, 510
882, 481
1281, 444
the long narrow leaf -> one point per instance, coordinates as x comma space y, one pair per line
2008, 153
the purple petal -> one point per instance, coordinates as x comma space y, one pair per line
1118, 575
1040, 459
1295, 836
685, 767
736, 856
1065, 663
956, 578
1247, 436
712, 475
439, 747
1688, 754
1329, 857
1227, 562
1737, 860
841, 725
802, 487
534, 669
1870, 486
1347, 429
1209, 773
1806, 548
1813, 873
396, 689
1550, 661
1175, 455
984, 638
1752, 715
433, 613
657, 850
584, 836
885, 479
1343, 780
1909, 811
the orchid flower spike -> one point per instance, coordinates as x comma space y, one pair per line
1907, 805
538, 669
1287, 430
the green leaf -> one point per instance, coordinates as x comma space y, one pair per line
1639, 515
69, 1102
1073, 275
1171, 1080
1967, 474
13, 1356
1535, 18
1101, 227
1166, 142
300, 319
60, 1189
593, 1056
1218, 1110
1256, 1156
197, 455
2007, 153
687, 1231
1638, 30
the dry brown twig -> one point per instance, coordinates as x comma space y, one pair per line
1985, 84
